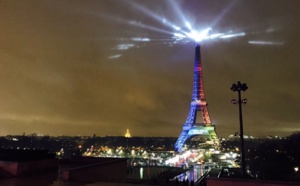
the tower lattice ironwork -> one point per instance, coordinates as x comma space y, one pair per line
198, 104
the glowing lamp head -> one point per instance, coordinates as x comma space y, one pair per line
198, 36
194, 35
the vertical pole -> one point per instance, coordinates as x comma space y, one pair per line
242, 135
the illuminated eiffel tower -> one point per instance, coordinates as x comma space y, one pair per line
198, 103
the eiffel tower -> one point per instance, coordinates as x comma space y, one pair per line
198, 104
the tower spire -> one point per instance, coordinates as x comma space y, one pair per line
198, 103
198, 97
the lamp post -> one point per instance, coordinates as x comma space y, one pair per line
240, 87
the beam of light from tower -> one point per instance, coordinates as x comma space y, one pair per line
198, 36
223, 13
266, 43
141, 25
151, 14
233, 35
184, 32
179, 29
177, 10
192, 34
180, 34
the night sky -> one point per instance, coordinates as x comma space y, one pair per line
100, 67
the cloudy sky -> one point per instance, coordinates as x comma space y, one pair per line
100, 67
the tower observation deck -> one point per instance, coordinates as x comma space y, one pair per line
198, 104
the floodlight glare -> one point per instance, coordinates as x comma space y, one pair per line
176, 27
199, 36
188, 25
194, 35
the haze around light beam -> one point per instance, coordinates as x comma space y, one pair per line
101, 67
184, 31
181, 30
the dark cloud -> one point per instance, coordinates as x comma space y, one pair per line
74, 67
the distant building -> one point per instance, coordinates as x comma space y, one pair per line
127, 134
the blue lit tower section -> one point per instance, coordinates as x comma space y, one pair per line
198, 104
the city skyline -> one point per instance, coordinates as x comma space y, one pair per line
102, 67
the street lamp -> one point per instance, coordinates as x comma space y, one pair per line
240, 87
